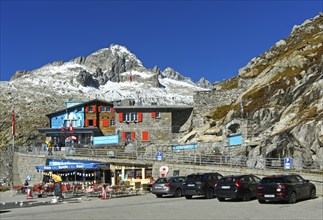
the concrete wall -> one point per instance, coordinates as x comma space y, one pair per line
26, 167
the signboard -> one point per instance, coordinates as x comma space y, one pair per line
112, 139
73, 166
288, 163
176, 173
159, 155
183, 147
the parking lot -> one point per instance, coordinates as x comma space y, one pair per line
147, 206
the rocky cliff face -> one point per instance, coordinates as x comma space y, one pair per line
279, 94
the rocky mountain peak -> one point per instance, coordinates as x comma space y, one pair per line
204, 83
172, 74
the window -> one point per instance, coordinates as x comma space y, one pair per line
90, 109
128, 136
90, 122
148, 173
112, 122
134, 116
155, 115
138, 174
128, 117
67, 123
105, 108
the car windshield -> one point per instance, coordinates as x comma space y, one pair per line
272, 180
163, 180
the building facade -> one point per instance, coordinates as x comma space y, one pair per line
79, 122
144, 125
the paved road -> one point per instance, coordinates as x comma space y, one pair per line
149, 207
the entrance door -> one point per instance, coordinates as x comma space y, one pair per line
107, 176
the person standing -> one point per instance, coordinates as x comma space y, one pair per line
50, 148
57, 187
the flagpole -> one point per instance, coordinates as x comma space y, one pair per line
13, 125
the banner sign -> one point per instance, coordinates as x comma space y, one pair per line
112, 139
183, 147
74, 166
235, 140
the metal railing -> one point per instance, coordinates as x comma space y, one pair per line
179, 157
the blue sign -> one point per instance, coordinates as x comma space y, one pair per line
73, 166
288, 163
183, 147
235, 140
159, 155
112, 139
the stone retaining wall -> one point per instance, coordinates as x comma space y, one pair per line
26, 166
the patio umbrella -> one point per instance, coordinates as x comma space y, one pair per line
71, 138
56, 178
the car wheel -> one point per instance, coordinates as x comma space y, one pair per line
313, 193
292, 198
159, 195
247, 196
210, 193
178, 193
261, 201
221, 199
188, 196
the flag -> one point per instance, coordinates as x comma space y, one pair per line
13, 122
130, 75
71, 128
63, 129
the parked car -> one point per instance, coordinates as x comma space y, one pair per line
287, 187
201, 184
168, 186
237, 187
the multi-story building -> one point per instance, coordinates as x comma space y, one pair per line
79, 122
150, 124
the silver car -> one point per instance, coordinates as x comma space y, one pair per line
169, 186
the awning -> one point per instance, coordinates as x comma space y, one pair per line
71, 165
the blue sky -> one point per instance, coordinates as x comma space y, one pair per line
211, 39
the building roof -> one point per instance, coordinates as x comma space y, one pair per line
80, 105
155, 107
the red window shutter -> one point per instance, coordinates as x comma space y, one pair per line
94, 122
139, 116
99, 108
120, 116
123, 136
133, 136
94, 108
145, 136
153, 115
86, 109
86, 122
105, 122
